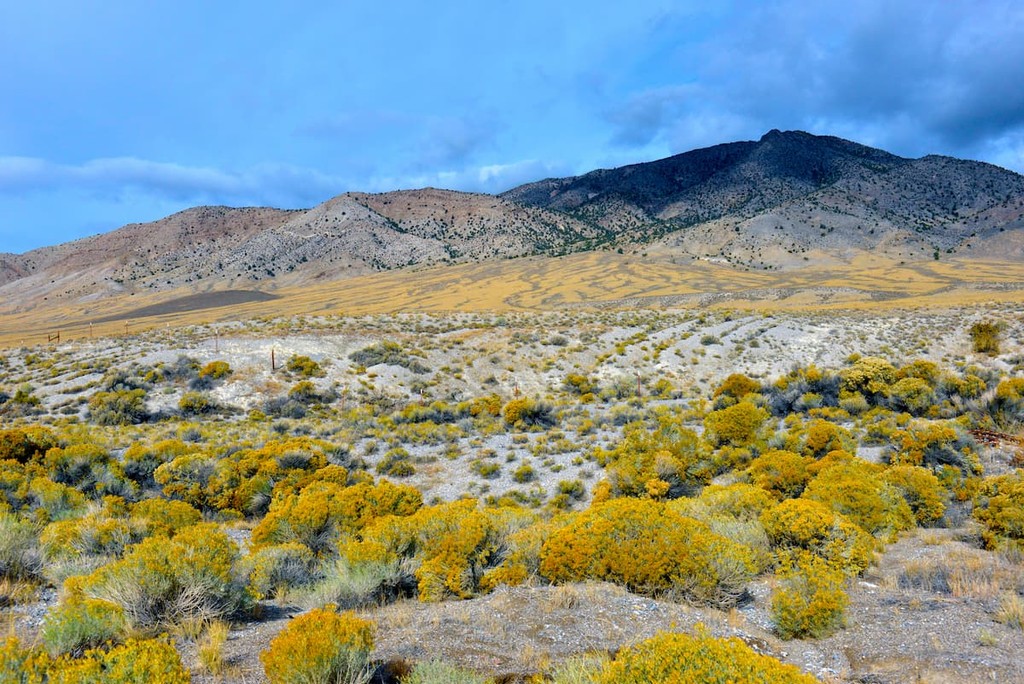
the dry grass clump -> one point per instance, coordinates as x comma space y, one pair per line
960, 573
211, 647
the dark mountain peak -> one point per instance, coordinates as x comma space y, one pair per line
789, 179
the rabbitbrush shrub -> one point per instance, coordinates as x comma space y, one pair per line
189, 578
812, 526
681, 658
20, 557
147, 661
809, 600
81, 623
650, 549
857, 490
320, 647
137, 661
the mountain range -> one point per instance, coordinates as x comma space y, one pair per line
770, 204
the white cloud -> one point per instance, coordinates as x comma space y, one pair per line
279, 184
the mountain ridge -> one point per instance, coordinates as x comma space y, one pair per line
767, 204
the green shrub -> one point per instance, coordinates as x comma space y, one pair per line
390, 353
524, 473
80, 623
196, 404
304, 367
437, 672
118, 407
396, 463
701, 658
305, 392
20, 557
809, 600
88, 468
320, 647
189, 578
272, 570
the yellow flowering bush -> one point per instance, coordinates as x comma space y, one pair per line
870, 376
49, 500
249, 479
811, 525
933, 445
647, 547
22, 665
819, 437
324, 510
164, 516
141, 460
921, 490
215, 370
94, 534
783, 473
739, 425
185, 478
682, 658
24, 444
857, 490
320, 647
137, 661
734, 388
670, 453
451, 546
999, 507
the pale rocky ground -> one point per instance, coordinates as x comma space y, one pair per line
894, 633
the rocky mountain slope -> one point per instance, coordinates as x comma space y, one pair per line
768, 203
788, 198
355, 233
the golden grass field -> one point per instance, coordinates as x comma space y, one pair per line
592, 279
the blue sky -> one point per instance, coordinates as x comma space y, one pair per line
121, 111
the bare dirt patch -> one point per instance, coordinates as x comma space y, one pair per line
190, 303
